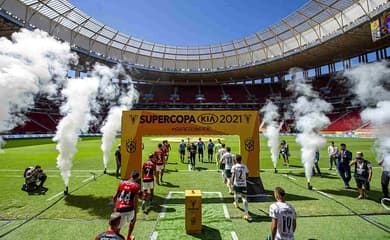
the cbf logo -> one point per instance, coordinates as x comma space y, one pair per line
249, 145
131, 145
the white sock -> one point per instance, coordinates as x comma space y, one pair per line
245, 205
235, 198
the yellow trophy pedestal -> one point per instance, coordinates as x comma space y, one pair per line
193, 205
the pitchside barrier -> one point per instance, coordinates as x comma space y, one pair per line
245, 124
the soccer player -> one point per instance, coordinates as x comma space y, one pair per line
362, 174
220, 153
32, 176
218, 146
228, 160
159, 160
283, 217
118, 161
113, 231
284, 151
344, 159
192, 155
210, 151
166, 148
200, 149
182, 150
125, 201
239, 174
385, 178
148, 172
332, 153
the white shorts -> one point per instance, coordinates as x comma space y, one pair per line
126, 217
147, 185
159, 168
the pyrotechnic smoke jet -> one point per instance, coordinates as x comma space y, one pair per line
371, 84
112, 123
31, 63
272, 132
309, 111
80, 96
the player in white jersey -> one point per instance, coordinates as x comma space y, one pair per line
283, 217
220, 153
228, 160
239, 174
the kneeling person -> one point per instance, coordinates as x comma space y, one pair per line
239, 174
33, 176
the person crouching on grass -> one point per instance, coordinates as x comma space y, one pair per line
362, 174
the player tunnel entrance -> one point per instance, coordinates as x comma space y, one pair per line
245, 124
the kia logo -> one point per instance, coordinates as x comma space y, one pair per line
208, 118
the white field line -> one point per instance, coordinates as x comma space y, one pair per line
53, 170
225, 209
322, 193
287, 176
208, 170
87, 179
154, 235
234, 235
164, 207
51, 176
54, 196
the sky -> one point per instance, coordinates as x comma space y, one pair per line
188, 22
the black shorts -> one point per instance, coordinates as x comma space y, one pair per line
210, 151
362, 182
238, 189
222, 166
228, 173
182, 152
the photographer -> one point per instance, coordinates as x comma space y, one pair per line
33, 176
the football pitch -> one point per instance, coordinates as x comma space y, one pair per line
327, 212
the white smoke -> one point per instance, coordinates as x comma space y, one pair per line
309, 111
371, 84
112, 123
79, 94
31, 63
272, 132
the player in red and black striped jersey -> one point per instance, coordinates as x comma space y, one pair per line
113, 232
148, 172
159, 159
125, 201
166, 148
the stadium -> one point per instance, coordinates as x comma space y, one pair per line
318, 75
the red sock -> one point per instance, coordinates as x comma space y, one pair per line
131, 228
144, 193
151, 193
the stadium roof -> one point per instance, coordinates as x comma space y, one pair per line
313, 24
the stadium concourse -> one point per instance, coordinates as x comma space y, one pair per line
315, 52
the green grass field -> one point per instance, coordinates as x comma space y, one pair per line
332, 213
